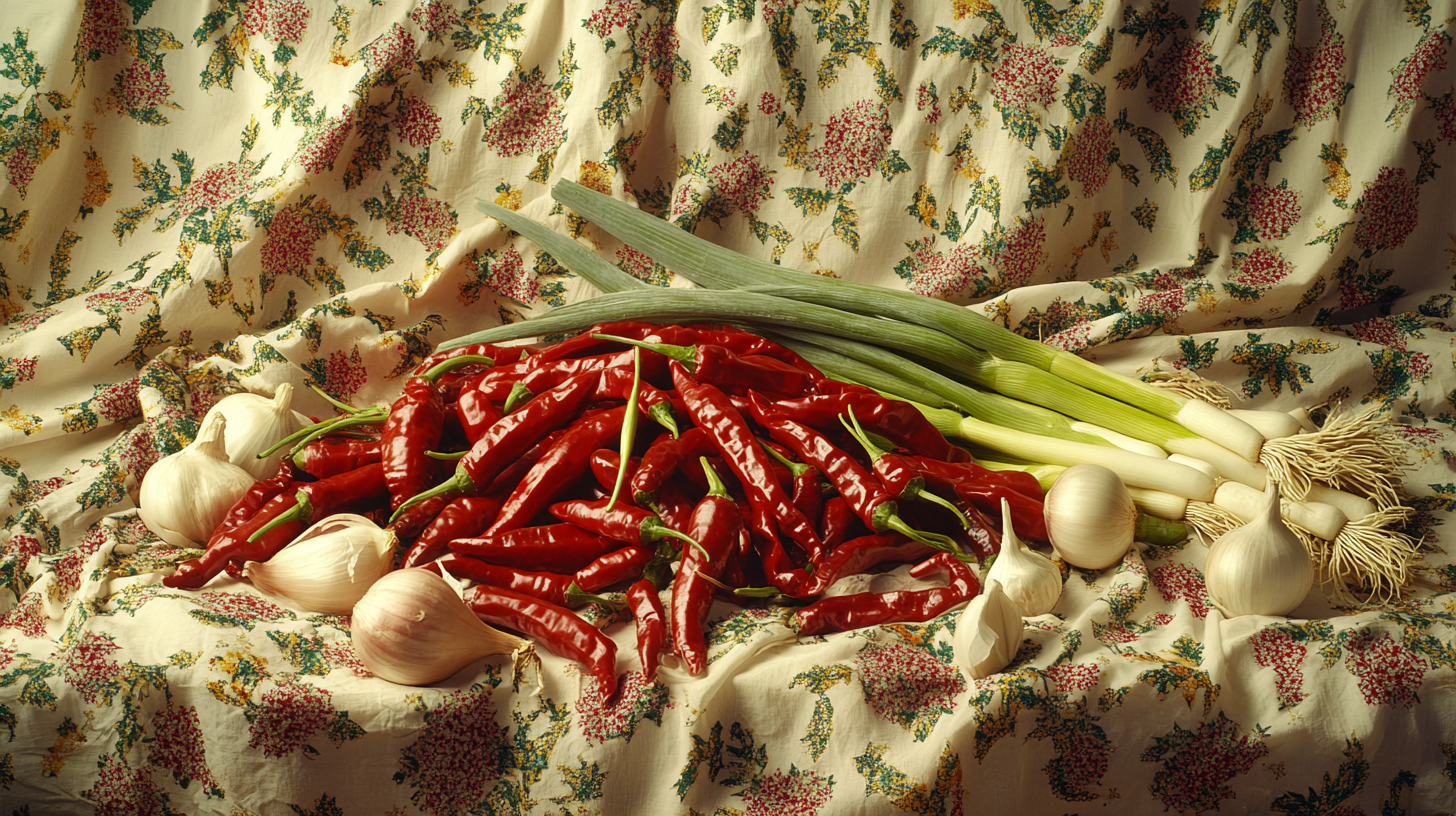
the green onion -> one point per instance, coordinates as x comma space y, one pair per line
567, 252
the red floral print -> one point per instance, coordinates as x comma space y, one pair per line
457, 754
1428, 58
613, 15
277, 20
344, 373
744, 182
123, 791
288, 715
526, 117
796, 793
855, 139
941, 274
177, 745
390, 51
1025, 76
102, 24
768, 104
341, 653
640, 266
217, 185
509, 277
416, 122
87, 667
1185, 76
1082, 760
323, 148
636, 700
1022, 254
427, 220
127, 299
1388, 209
1198, 765
289, 246
242, 606
1314, 80
28, 615
1276, 650
1089, 154
1275, 210
1261, 269
900, 682
144, 87
1068, 677
926, 99
660, 44
20, 166
1182, 582
1388, 672
434, 17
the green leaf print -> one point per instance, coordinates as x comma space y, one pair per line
1272, 364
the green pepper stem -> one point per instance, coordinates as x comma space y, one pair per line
654, 530
454, 363
662, 412
576, 596
300, 439
934, 499
303, 511
629, 429
340, 404
687, 355
756, 592
458, 483
861, 436
447, 457
519, 394
935, 541
715, 482
795, 468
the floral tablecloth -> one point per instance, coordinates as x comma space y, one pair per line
200, 198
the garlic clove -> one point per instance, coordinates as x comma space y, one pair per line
329, 567
1261, 568
412, 628
989, 632
184, 496
255, 422
1028, 578
1090, 517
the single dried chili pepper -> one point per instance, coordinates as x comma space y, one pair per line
985, 495
333, 455
547, 586
973, 475
808, 495
512, 436
559, 548
838, 522
605, 462
896, 420
845, 612
493, 352
717, 525
646, 608
414, 520
415, 423
462, 517
561, 466
654, 403
246, 508
476, 412
718, 366
359, 489
663, 457
233, 546
560, 629
625, 523
672, 506
737, 340
614, 567
711, 410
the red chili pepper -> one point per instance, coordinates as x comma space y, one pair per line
559, 548
224, 548
654, 403
332, 455
839, 521
551, 375
738, 341
898, 421
513, 436
623, 522
673, 507
360, 489
808, 495
246, 508
605, 463
560, 629
560, 467
711, 410
845, 612
954, 474
663, 457
463, 517
414, 520
614, 567
548, 586
717, 525
413, 427
496, 353
584, 342
716, 365
646, 609
475, 411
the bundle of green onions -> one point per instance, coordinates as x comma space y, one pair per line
1012, 399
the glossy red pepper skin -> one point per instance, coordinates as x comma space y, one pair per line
413, 522
584, 342
413, 427
646, 608
615, 567
663, 457
740, 342
962, 482
717, 525
333, 455
496, 353
673, 506
559, 548
604, 465
233, 546
475, 412
862, 553
839, 522
555, 626
896, 420
550, 375
624, 522
246, 508
843, 613
517, 433
616, 384
562, 465
462, 517
939, 474
712, 411
808, 497
548, 586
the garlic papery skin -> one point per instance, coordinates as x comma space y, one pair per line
412, 628
1090, 517
329, 567
1261, 568
186, 495
255, 422
989, 632
1029, 578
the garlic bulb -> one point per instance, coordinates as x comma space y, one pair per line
1090, 517
255, 422
1261, 568
412, 628
988, 632
329, 567
186, 495
1029, 578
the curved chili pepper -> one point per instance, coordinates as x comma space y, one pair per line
672, 506
512, 436
654, 403
233, 546
971, 492
257, 496
463, 517
560, 629
896, 420
623, 522
560, 548
898, 473
646, 608
971, 474
711, 410
333, 455
845, 612
548, 586
808, 495
562, 465
496, 353
605, 463
476, 412
414, 520
663, 457
359, 489
614, 567
716, 365
550, 375
717, 525
413, 427
838, 522
739, 341
583, 342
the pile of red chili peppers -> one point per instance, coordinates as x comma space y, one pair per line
751, 476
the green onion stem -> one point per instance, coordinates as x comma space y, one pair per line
567, 252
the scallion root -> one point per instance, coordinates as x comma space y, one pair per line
1362, 452
1191, 386
1210, 520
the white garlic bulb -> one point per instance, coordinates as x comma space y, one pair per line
186, 495
989, 632
329, 567
255, 422
412, 628
1028, 577
1090, 517
1261, 568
